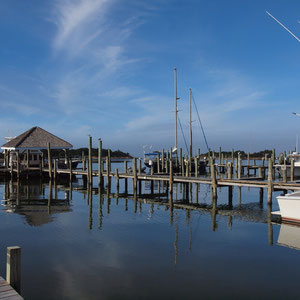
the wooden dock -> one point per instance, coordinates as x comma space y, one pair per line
7, 292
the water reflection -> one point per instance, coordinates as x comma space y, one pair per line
27, 198
289, 236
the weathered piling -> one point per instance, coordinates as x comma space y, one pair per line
13, 267
229, 170
270, 181
18, 165
126, 180
158, 163
90, 177
99, 162
134, 174
292, 169
117, 180
163, 160
49, 161
213, 179
171, 179
54, 169
71, 170
196, 166
284, 172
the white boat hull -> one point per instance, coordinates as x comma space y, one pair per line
288, 170
290, 207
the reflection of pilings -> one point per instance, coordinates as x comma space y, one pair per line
240, 195
229, 224
191, 232
90, 197
126, 204
230, 196
214, 213
270, 226
100, 200
135, 202
261, 196
107, 202
176, 240
197, 193
71, 189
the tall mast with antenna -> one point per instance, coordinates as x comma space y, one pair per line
176, 111
191, 134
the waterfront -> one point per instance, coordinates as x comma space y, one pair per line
126, 249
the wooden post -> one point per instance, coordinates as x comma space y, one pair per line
109, 166
260, 172
196, 166
270, 181
54, 169
239, 166
117, 180
171, 179
107, 172
220, 150
134, 174
13, 267
18, 164
49, 161
284, 177
158, 163
232, 156
71, 171
229, 170
99, 162
90, 176
126, 180
163, 160
292, 169
213, 179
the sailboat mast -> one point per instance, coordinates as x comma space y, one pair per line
176, 111
191, 134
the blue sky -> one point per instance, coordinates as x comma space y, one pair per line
105, 68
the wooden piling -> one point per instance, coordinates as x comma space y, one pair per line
71, 170
90, 177
284, 172
292, 169
117, 181
213, 179
13, 267
134, 174
196, 166
171, 179
99, 162
49, 161
126, 180
163, 160
18, 164
270, 181
229, 170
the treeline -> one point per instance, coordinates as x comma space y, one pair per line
243, 154
85, 151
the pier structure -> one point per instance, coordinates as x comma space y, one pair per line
221, 171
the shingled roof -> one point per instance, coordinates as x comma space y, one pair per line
36, 138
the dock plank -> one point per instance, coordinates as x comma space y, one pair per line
7, 292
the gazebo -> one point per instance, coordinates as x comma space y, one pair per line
28, 145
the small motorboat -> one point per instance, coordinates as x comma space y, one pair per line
289, 206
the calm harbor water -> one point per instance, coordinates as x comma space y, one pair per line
100, 247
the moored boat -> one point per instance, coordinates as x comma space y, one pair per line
289, 206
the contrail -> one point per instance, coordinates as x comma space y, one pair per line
284, 27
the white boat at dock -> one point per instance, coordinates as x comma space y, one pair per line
289, 206
282, 167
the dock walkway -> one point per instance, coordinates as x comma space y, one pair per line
7, 292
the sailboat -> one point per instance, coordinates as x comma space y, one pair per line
152, 159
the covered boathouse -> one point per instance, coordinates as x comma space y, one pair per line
28, 146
